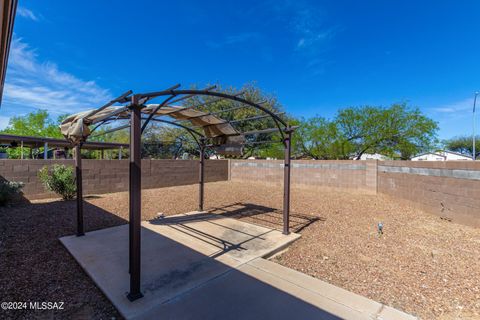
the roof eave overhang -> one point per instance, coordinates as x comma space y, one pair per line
7, 16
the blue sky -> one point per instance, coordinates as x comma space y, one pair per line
316, 56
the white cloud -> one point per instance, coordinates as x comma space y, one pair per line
311, 39
307, 24
461, 106
31, 83
26, 13
311, 33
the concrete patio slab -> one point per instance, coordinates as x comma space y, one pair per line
179, 253
204, 266
261, 289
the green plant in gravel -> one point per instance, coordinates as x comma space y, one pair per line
60, 179
8, 189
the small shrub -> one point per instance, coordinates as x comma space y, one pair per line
60, 179
8, 190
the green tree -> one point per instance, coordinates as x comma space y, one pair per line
160, 142
319, 138
100, 135
185, 143
394, 131
461, 144
36, 124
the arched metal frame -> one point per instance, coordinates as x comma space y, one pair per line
135, 104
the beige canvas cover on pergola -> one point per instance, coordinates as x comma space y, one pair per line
76, 129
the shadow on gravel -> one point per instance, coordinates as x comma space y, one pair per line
36, 267
271, 217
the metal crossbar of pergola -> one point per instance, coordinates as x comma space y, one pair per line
207, 129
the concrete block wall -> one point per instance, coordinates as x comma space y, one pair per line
342, 174
104, 176
26, 171
449, 189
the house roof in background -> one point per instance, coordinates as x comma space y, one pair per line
425, 153
441, 153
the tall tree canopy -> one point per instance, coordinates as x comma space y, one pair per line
36, 124
176, 141
397, 131
462, 144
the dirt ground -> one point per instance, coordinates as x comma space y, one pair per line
421, 264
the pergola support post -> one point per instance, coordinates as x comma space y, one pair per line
45, 151
201, 175
286, 181
78, 175
135, 199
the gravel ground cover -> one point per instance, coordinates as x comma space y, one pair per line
421, 264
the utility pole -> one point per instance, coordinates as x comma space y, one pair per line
473, 137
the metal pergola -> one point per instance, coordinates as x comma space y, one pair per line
206, 128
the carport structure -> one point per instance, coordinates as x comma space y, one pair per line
208, 130
16, 141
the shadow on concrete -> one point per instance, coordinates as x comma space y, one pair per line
181, 224
268, 216
200, 286
37, 268
188, 282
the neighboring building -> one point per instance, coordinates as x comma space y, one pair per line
373, 156
46, 148
216, 157
441, 156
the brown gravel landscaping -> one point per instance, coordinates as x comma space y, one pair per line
422, 264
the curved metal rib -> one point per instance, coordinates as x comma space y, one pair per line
155, 111
179, 125
217, 94
189, 130
167, 100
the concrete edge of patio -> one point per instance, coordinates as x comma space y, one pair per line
103, 254
328, 295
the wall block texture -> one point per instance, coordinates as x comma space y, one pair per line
342, 174
104, 176
449, 189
